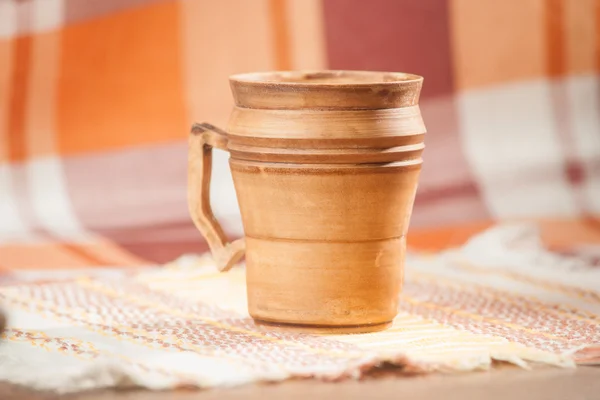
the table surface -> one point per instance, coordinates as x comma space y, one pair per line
503, 383
499, 383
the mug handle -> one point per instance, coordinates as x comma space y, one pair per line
203, 137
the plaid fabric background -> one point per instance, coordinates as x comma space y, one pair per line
96, 99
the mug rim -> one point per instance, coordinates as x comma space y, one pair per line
318, 78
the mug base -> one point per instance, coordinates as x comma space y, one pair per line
323, 329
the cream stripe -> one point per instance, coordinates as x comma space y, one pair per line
12, 226
584, 101
8, 21
429, 329
437, 347
426, 339
47, 14
307, 34
512, 144
46, 180
453, 350
416, 332
86, 350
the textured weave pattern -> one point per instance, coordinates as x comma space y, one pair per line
185, 324
96, 99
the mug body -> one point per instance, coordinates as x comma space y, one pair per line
325, 167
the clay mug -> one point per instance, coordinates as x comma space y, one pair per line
325, 167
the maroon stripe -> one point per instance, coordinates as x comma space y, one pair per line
90, 259
448, 192
556, 69
281, 37
413, 36
77, 10
134, 187
162, 252
392, 35
442, 193
555, 38
597, 12
158, 243
17, 104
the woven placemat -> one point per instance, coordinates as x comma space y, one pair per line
500, 297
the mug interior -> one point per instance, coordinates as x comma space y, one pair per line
325, 77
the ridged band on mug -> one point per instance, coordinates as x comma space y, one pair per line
321, 155
300, 124
325, 168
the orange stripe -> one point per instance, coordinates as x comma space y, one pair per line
511, 34
105, 253
133, 89
580, 36
6, 75
40, 132
53, 255
597, 35
281, 35
38, 256
17, 104
81, 252
558, 233
307, 34
555, 41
